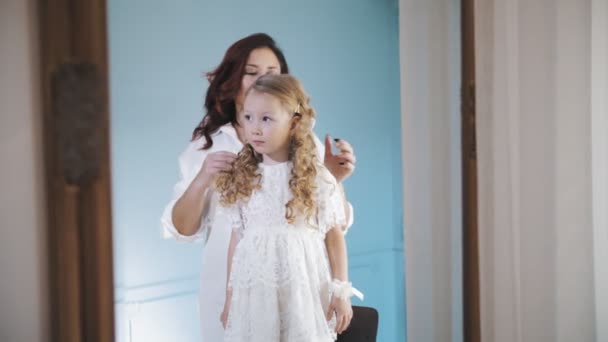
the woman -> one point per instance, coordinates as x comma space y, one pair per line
190, 216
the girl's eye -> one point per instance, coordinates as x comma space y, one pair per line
266, 119
247, 117
251, 73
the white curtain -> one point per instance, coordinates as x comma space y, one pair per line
429, 33
536, 151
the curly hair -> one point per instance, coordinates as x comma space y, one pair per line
225, 83
243, 177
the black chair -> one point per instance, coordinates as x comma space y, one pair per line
363, 327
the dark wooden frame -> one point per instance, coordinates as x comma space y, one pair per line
74, 87
74, 79
470, 240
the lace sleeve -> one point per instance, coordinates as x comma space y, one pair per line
234, 217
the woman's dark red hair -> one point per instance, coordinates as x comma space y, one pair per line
225, 83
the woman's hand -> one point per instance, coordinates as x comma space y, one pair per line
214, 163
344, 313
340, 165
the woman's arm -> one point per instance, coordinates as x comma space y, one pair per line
188, 210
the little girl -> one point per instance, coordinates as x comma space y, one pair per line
287, 264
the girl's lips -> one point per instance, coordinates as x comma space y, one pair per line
257, 142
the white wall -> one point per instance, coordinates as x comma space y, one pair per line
599, 140
429, 35
23, 280
535, 162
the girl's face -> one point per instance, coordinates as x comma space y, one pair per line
267, 125
261, 61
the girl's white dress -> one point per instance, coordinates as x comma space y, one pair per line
280, 272
214, 230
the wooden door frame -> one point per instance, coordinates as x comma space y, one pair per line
470, 236
74, 88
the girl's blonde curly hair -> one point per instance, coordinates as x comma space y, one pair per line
242, 178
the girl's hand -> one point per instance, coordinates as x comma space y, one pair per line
214, 163
226, 311
340, 165
224, 316
344, 313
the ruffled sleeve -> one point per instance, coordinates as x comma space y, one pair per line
330, 202
320, 147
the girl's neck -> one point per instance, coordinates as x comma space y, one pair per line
274, 160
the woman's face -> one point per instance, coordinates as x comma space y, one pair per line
261, 61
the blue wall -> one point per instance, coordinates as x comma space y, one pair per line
346, 54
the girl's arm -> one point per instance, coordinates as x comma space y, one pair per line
234, 240
336, 252
231, 247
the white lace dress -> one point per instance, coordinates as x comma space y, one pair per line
280, 272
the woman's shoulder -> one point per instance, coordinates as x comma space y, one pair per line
193, 147
224, 139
